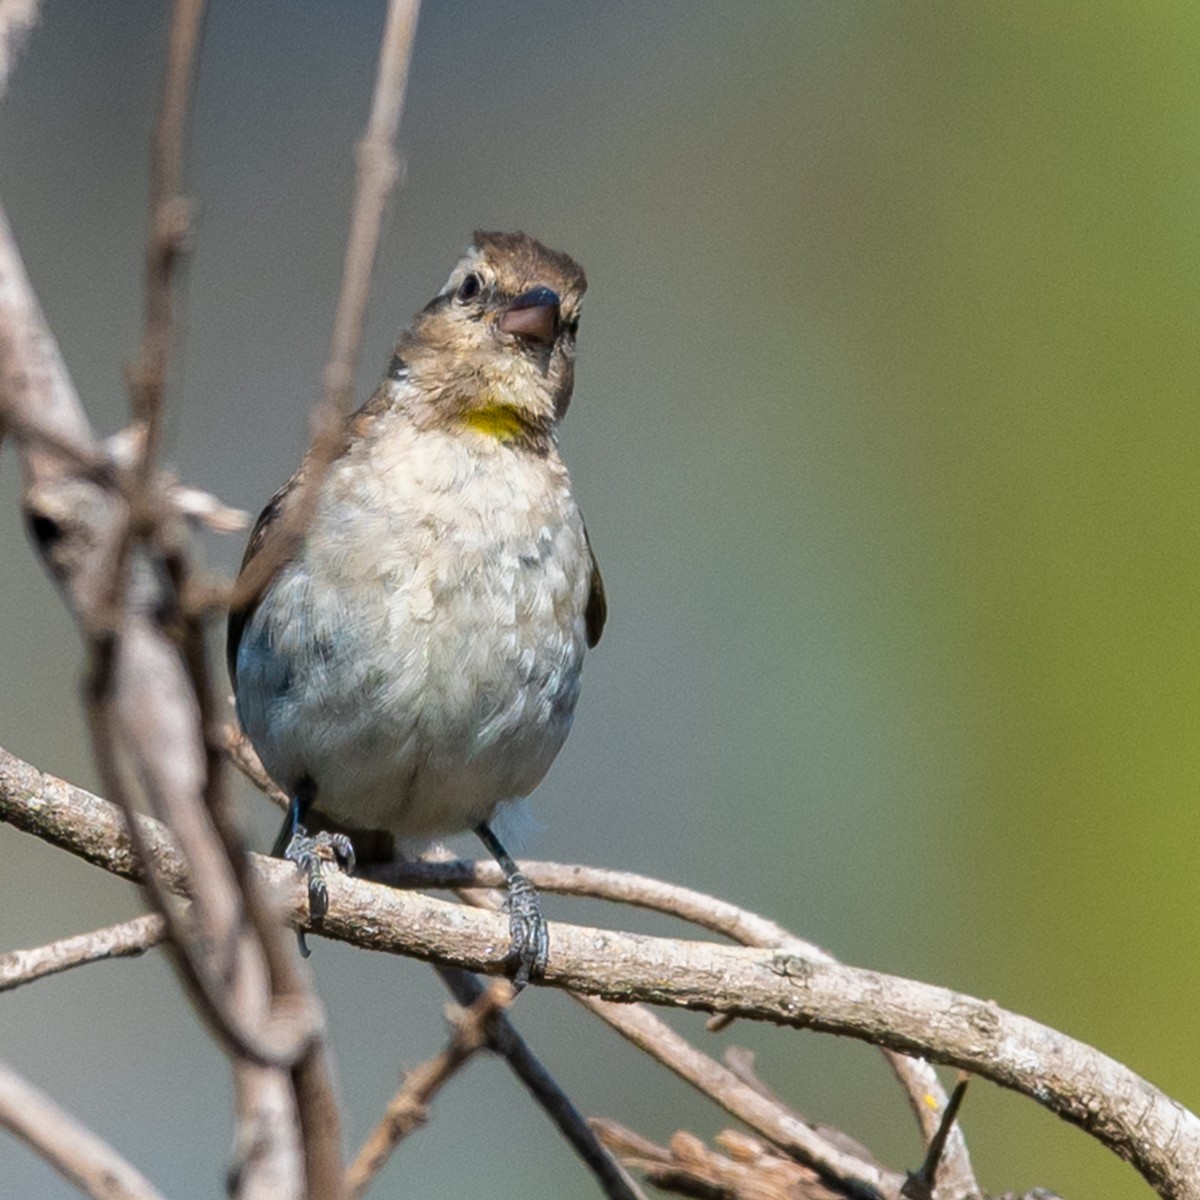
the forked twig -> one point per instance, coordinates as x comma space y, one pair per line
508, 1044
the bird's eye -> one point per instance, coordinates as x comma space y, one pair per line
469, 288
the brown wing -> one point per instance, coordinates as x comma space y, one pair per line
596, 612
243, 608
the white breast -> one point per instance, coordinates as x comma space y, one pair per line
421, 660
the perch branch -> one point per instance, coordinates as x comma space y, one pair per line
926, 1096
1078, 1083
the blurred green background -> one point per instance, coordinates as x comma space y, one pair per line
886, 430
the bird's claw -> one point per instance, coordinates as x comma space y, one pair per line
529, 948
313, 857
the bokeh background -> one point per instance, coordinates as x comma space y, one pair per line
886, 430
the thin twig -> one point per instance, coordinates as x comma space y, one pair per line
408, 1109
241, 754
508, 1044
169, 227
921, 1184
126, 940
72, 1149
376, 177
377, 172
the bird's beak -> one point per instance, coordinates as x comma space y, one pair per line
532, 315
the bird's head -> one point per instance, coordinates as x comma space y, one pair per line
495, 349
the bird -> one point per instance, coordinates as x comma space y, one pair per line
412, 660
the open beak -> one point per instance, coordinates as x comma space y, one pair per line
532, 315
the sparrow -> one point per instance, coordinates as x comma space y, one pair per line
414, 660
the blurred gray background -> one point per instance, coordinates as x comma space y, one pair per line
886, 433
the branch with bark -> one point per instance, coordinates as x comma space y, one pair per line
781, 986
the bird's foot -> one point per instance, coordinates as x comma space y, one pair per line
529, 949
314, 856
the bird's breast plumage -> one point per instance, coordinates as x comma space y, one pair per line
420, 658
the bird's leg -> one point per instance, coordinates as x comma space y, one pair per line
311, 854
529, 949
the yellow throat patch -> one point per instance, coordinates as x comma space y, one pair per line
499, 421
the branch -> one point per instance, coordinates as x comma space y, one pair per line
408, 1109
72, 1149
17, 18
1126, 1113
122, 570
926, 1096
126, 940
169, 226
688, 1167
508, 1044
377, 171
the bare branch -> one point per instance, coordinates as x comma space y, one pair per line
73, 1150
600, 883
1130, 1116
408, 1109
241, 754
126, 940
169, 227
377, 171
689, 1168
122, 569
505, 1041
926, 1096
17, 18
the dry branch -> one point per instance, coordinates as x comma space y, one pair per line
1126, 1113
113, 542
72, 1149
508, 1044
408, 1109
126, 940
926, 1096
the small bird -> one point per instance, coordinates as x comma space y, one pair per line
414, 661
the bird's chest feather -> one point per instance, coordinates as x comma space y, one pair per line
435, 617
441, 554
